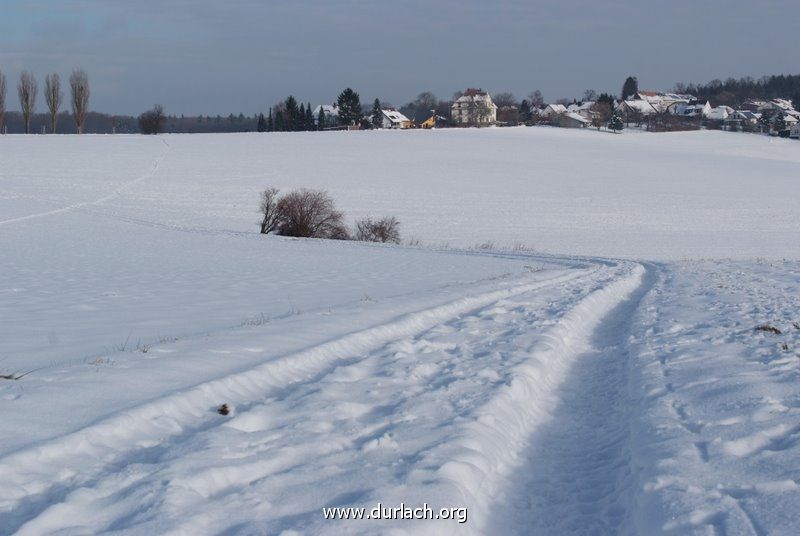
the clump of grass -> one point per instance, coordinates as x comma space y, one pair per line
768, 329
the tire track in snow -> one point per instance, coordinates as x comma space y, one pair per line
579, 456
35, 477
117, 191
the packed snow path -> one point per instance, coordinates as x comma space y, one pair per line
433, 407
576, 476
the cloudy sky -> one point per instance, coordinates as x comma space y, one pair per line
223, 56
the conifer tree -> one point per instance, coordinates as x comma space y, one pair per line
321, 118
524, 111
280, 120
301, 118
377, 114
779, 123
630, 87
615, 123
291, 114
349, 107
261, 125
270, 122
309, 117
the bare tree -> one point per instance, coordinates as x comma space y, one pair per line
310, 214
2, 99
383, 230
601, 114
79, 86
269, 210
505, 99
53, 96
536, 98
152, 121
589, 95
27, 88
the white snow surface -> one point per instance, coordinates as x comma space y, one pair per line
613, 382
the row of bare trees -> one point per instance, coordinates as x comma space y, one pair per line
28, 89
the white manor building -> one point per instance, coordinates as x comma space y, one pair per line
474, 108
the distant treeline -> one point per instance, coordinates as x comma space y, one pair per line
291, 115
733, 92
98, 123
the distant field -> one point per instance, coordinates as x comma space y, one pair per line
654, 196
166, 369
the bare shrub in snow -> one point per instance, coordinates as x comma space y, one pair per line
269, 210
152, 121
383, 230
310, 214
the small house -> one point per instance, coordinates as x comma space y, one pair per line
392, 119
573, 120
553, 110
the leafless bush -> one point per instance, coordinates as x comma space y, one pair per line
383, 230
310, 214
152, 121
269, 210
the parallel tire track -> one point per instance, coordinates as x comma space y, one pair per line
33, 477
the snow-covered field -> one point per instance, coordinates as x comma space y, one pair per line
613, 382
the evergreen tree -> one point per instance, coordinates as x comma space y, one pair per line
524, 111
309, 117
292, 112
615, 123
321, 118
630, 87
270, 122
349, 107
607, 98
796, 101
280, 120
377, 114
261, 125
779, 123
301, 118
765, 120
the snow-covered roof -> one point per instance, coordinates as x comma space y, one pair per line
475, 96
395, 117
746, 114
558, 108
642, 106
580, 106
696, 108
576, 117
720, 112
783, 104
330, 109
